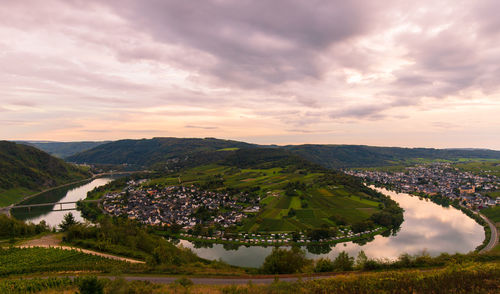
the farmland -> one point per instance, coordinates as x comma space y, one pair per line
312, 205
16, 261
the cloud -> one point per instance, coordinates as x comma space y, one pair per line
252, 43
280, 68
200, 127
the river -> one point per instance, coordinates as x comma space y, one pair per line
64, 194
427, 226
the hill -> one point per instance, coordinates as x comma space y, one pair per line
26, 170
349, 156
147, 152
63, 149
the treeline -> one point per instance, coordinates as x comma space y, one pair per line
150, 152
13, 228
287, 261
266, 158
349, 156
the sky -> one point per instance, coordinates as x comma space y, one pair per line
386, 73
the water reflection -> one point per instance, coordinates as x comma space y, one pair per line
66, 194
427, 226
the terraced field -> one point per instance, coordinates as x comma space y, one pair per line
313, 207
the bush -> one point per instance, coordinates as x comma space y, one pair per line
120, 286
184, 282
90, 285
343, 262
323, 265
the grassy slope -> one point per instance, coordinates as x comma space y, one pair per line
25, 170
322, 202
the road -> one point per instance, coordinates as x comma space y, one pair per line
494, 236
224, 281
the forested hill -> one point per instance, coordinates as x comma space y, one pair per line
63, 149
150, 152
25, 169
147, 152
347, 156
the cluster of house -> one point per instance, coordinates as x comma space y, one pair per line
177, 205
439, 178
279, 238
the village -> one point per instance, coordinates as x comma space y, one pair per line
184, 206
194, 209
438, 178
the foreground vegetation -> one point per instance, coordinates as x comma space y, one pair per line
11, 228
456, 278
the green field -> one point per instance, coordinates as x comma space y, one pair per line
312, 207
491, 167
11, 196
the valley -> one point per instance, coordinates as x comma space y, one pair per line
226, 210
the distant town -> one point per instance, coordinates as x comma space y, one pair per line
438, 178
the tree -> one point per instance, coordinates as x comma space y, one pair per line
343, 262
90, 285
68, 221
324, 265
283, 261
361, 260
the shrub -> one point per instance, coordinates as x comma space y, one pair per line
90, 285
324, 265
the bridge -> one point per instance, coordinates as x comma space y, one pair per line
60, 204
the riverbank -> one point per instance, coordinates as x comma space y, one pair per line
269, 240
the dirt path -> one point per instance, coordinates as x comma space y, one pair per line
53, 241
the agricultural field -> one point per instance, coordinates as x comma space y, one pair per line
458, 278
17, 261
312, 206
491, 167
